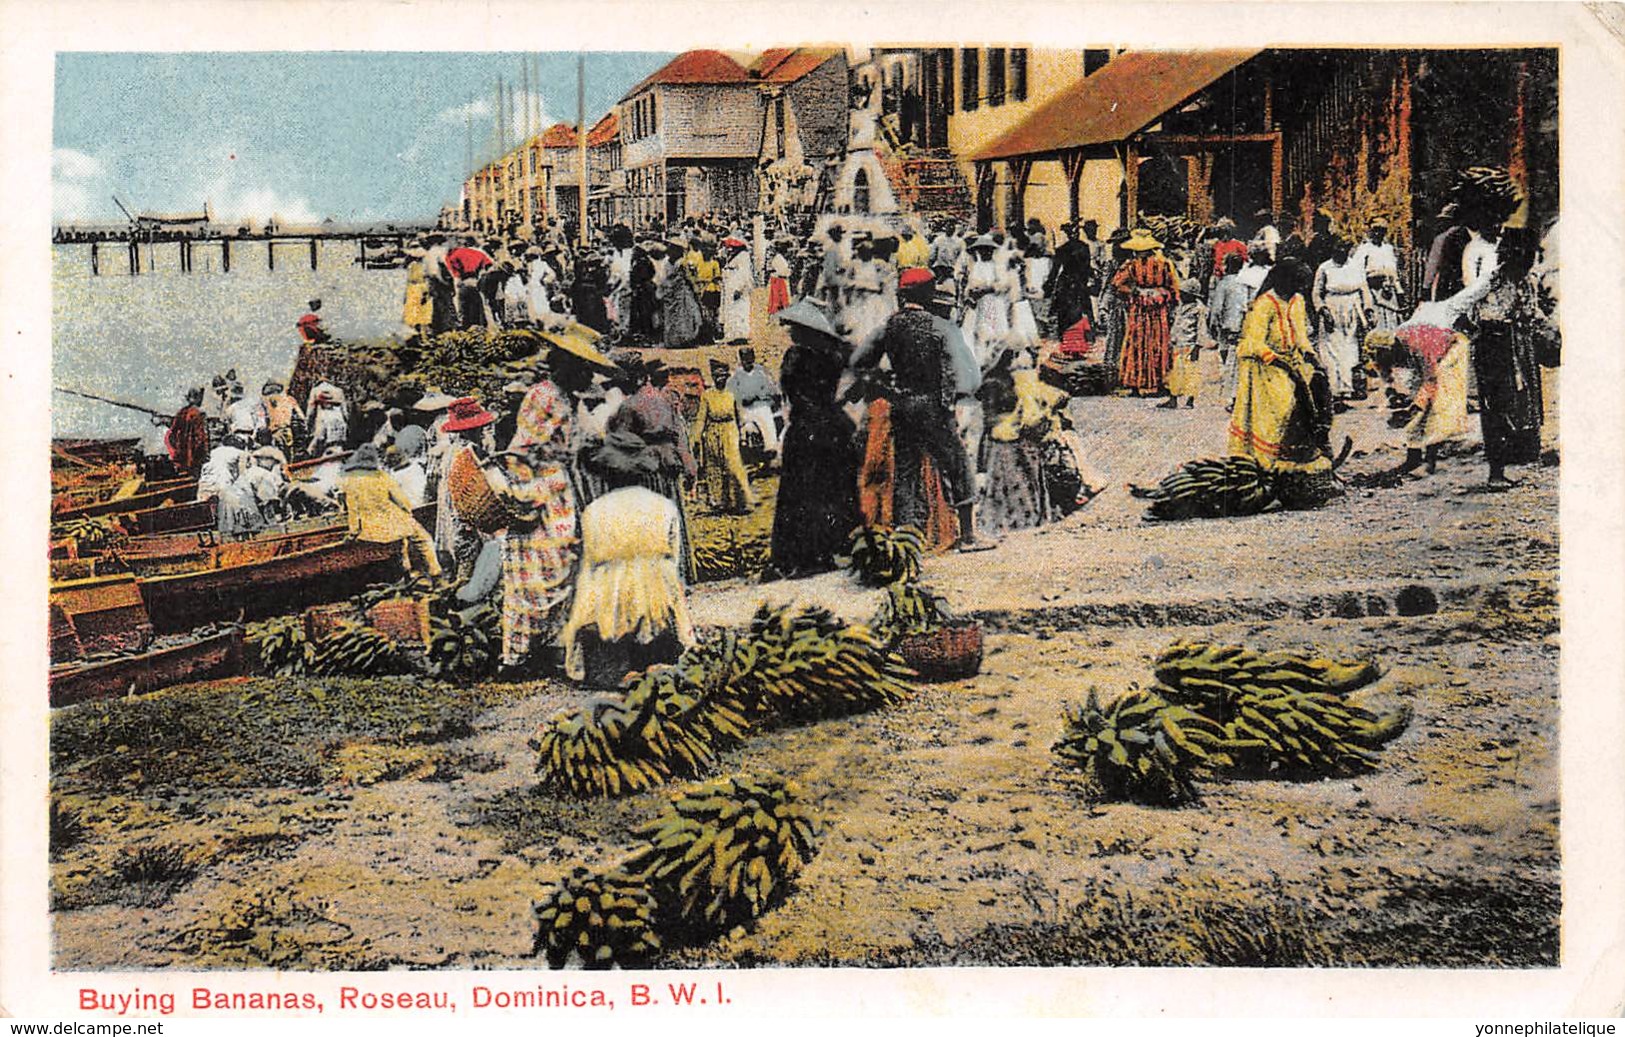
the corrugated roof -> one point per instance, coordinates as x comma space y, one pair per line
559, 135
604, 131
1130, 93
788, 64
694, 66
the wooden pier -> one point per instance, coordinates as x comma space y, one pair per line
375, 247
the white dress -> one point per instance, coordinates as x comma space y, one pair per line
989, 292
1341, 294
737, 282
219, 471
539, 291
866, 310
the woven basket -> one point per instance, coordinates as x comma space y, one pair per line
1303, 491
950, 652
402, 619
323, 621
472, 497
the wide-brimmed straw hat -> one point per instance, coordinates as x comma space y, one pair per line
270, 453
985, 241
365, 458
807, 314
467, 414
434, 401
579, 341
1140, 239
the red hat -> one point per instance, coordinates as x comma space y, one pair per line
465, 414
733, 242
915, 277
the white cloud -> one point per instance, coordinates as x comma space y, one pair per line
78, 186
528, 111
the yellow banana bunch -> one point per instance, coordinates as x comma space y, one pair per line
1211, 676
356, 650
1141, 748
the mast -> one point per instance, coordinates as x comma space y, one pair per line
581, 137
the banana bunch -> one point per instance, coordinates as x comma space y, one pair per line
707, 677
1307, 734
1210, 488
1210, 677
88, 532
809, 666
724, 851
604, 921
665, 724
463, 644
883, 556
280, 646
723, 555
1142, 748
909, 608
590, 751
356, 650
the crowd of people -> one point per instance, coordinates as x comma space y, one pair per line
924, 385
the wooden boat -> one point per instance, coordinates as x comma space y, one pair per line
93, 452
173, 518
195, 552
99, 614
217, 656
269, 587
150, 496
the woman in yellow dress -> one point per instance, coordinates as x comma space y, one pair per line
723, 482
379, 513
1274, 419
417, 312
629, 609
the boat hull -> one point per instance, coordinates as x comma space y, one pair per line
217, 656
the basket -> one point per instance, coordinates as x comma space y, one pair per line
950, 652
1305, 490
472, 497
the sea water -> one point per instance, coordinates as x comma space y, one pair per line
146, 338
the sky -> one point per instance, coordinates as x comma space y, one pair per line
364, 136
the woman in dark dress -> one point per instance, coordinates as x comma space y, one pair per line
817, 503
645, 303
1506, 358
588, 291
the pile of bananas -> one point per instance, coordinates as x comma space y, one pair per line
280, 646
1211, 677
1210, 488
603, 921
724, 853
724, 555
357, 650
673, 720
598, 750
1141, 748
463, 645
879, 557
1294, 734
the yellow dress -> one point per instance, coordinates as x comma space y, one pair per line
418, 311
1265, 394
379, 513
723, 482
629, 586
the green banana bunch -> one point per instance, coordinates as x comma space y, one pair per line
879, 557
1210, 488
356, 650
1210, 677
463, 645
809, 666
1141, 748
589, 752
280, 647
1288, 733
89, 532
725, 852
604, 921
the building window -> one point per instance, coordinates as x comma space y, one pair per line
970, 79
1095, 60
995, 77
1018, 74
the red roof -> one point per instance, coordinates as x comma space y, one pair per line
1134, 90
559, 135
604, 131
788, 64
694, 66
